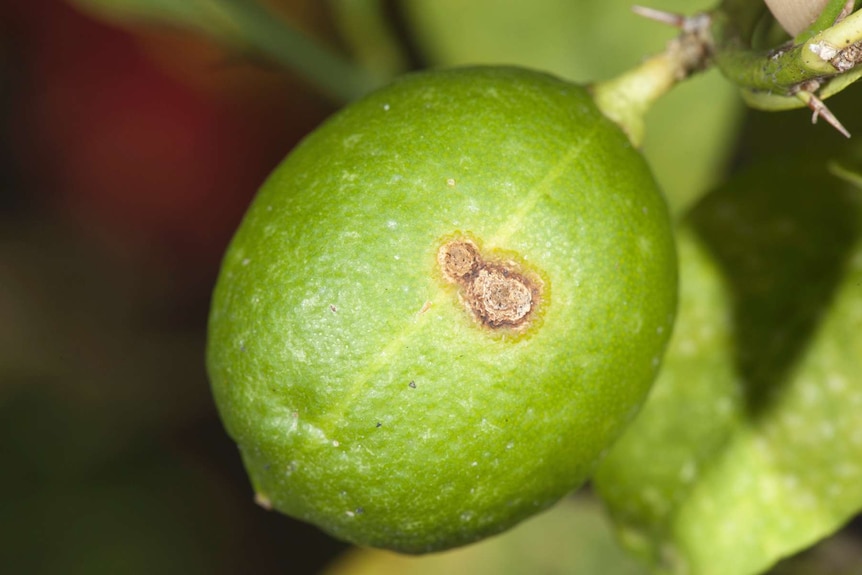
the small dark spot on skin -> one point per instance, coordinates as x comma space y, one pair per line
499, 294
379, 424
412, 384
360, 510
333, 308
295, 414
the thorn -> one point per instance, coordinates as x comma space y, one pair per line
669, 18
819, 110
696, 23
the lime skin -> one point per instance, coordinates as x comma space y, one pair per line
442, 308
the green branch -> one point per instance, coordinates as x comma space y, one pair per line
786, 77
626, 99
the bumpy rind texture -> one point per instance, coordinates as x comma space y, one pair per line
362, 394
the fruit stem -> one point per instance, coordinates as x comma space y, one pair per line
626, 99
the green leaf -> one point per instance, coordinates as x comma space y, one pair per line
206, 16
689, 132
249, 25
750, 447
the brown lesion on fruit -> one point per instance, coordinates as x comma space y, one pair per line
458, 260
500, 293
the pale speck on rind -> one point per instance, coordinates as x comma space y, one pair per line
763, 447
847, 470
687, 347
724, 406
246, 261
350, 514
652, 497
706, 332
645, 245
269, 208
768, 489
391, 224
450, 182
807, 500
262, 501
791, 482
474, 464
688, 471
836, 383
351, 140
385, 107
793, 421
510, 445
810, 392
827, 430
335, 443
835, 490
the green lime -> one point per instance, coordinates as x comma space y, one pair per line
442, 308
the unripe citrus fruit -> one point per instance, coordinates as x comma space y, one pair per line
442, 308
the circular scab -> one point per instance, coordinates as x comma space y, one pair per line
458, 260
499, 297
498, 294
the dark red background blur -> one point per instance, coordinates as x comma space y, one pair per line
127, 158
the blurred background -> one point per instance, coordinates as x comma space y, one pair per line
129, 149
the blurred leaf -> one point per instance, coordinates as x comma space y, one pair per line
841, 554
572, 538
95, 327
205, 16
750, 447
770, 135
689, 132
251, 25
78, 505
366, 29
